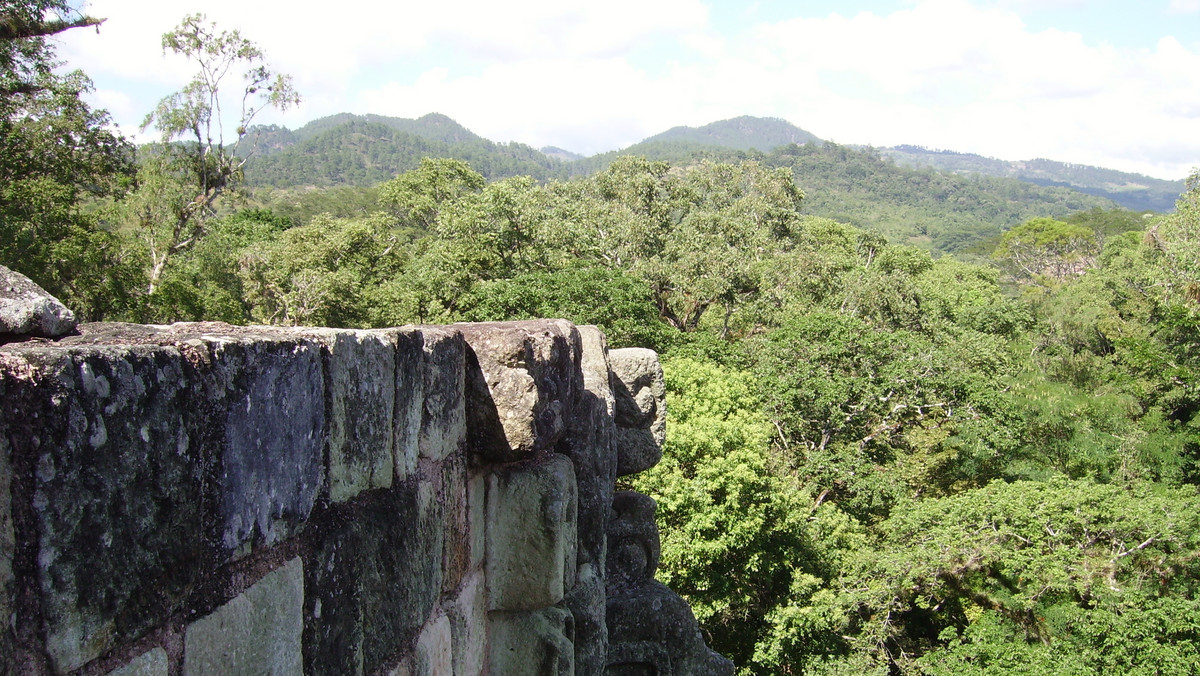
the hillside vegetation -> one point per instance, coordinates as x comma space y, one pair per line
938, 211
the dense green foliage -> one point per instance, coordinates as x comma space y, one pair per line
58, 163
1132, 191
879, 460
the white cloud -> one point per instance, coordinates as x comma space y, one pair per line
962, 74
1184, 7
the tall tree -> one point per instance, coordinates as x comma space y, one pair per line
57, 156
194, 154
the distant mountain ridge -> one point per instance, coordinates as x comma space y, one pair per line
740, 133
941, 201
1132, 191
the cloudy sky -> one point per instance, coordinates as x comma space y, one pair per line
1113, 83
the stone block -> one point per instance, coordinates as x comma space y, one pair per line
374, 578
116, 489
533, 643
468, 623
477, 484
7, 547
410, 398
521, 386
443, 422
586, 601
257, 633
434, 654
150, 663
258, 413
651, 630
451, 487
531, 536
633, 544
591, 447
27, 310
360, 393
641, 412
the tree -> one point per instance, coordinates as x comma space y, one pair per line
58, 159
194, 154
26, 60
1044, 247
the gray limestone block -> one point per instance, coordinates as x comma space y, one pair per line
409, 397
360, 394
150, 663
256, 634
374, 575
258, 413
641, 412
532, 643
633, 544
467, 611
460, 542
523, 380
651, 630
116, 501
591, 446
443, 422
27, 310
433, 655
531, 533
586, 601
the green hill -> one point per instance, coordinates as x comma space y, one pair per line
739, 133
1132, 191
965, 200
363, 150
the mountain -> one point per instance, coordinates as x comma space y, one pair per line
1132, 191
739, 133
347, 149
560, 154
950, 207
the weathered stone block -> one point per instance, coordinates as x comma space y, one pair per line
258, 414
521, 386
7, 548
531, 536
410, 398
27, 310
150, 663
633, 544
534, 643
586, 601
468, 623
374, 578
434, 654
443, 424
641, 411
451, 488
360, 392
116, 484
256, 633
591, 447
652, 630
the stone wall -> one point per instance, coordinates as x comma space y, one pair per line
209, 499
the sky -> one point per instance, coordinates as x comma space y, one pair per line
1110, 83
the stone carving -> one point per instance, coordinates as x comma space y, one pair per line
651, 629
641, 413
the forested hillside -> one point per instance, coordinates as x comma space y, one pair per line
939, 211
1132, 191
879, 460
